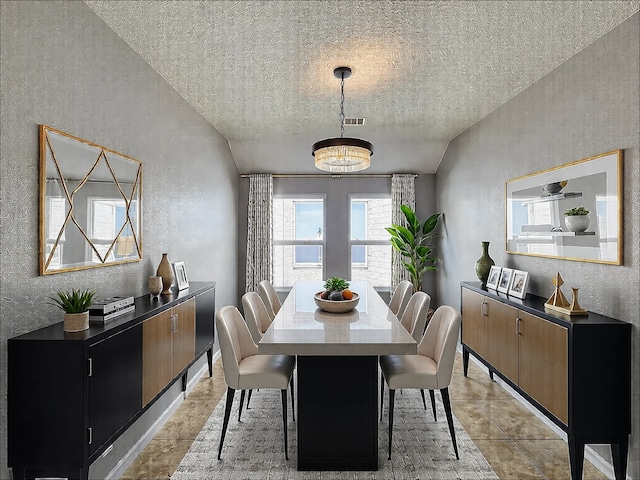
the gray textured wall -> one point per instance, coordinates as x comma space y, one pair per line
587, 106
62, 66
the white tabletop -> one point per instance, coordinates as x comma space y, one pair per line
300, 328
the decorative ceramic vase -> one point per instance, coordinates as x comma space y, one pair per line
155, 285
484, 264
577, 223
165, 271
76, 322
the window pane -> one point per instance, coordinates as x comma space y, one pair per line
369, 217
286, 272
358, 220
376, 268
308, 219
359, 254
308, 254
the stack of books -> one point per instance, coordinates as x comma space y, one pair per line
109, 308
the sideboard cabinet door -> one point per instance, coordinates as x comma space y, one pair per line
473, 321
157, 354
184, 335
502, 338
115, 384
544, 364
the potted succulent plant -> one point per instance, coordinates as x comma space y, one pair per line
75, 305
577, 219
413, 241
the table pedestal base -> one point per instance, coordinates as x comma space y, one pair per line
337, 413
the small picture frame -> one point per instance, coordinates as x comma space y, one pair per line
181, 275
494, 277
505, 280
519, 282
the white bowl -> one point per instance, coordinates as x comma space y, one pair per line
336, 306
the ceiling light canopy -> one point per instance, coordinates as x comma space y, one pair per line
340, 155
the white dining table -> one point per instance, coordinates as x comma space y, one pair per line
337, 373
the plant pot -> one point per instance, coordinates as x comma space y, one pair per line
577, 223
76, 322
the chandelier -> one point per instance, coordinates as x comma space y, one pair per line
339, 155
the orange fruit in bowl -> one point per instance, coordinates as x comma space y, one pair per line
347, 294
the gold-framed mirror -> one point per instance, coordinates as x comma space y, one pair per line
90, 204
543, 215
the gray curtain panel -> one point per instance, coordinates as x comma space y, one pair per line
259, 231
403, 192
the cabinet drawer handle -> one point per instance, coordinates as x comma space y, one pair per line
518, 320
483, 309
176, 322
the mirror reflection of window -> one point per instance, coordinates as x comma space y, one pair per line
56, 213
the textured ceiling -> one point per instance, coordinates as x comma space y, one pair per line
261, 72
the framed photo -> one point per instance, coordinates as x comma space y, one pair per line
505, 280
181, 275
519, 283
494, 277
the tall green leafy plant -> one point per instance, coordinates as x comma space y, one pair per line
414, 242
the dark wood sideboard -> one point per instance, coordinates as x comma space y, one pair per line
575, 370
71, 395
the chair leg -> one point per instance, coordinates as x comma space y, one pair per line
242, 392
293, 401
249, 398
381, 393
284, 423
227, 413
447, 408
423, 400
433, 405
392, 397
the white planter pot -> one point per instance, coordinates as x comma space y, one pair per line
577, 223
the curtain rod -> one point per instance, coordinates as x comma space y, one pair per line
320, 175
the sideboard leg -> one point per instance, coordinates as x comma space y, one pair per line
210, 361
19, 473
619, 453
465, 360
576, 456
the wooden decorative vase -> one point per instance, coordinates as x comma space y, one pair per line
165, 271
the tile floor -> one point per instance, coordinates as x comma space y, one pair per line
513, 440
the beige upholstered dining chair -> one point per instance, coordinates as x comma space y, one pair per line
431, 368
256, 315
414, 317
244, 369
269, 297
400, 297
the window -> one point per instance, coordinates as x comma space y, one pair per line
361, 249
298, 240
369, 241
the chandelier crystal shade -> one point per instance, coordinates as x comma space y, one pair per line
340, 155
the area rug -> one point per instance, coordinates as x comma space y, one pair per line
254, 447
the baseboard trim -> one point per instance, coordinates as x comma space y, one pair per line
589, 453
144, 440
